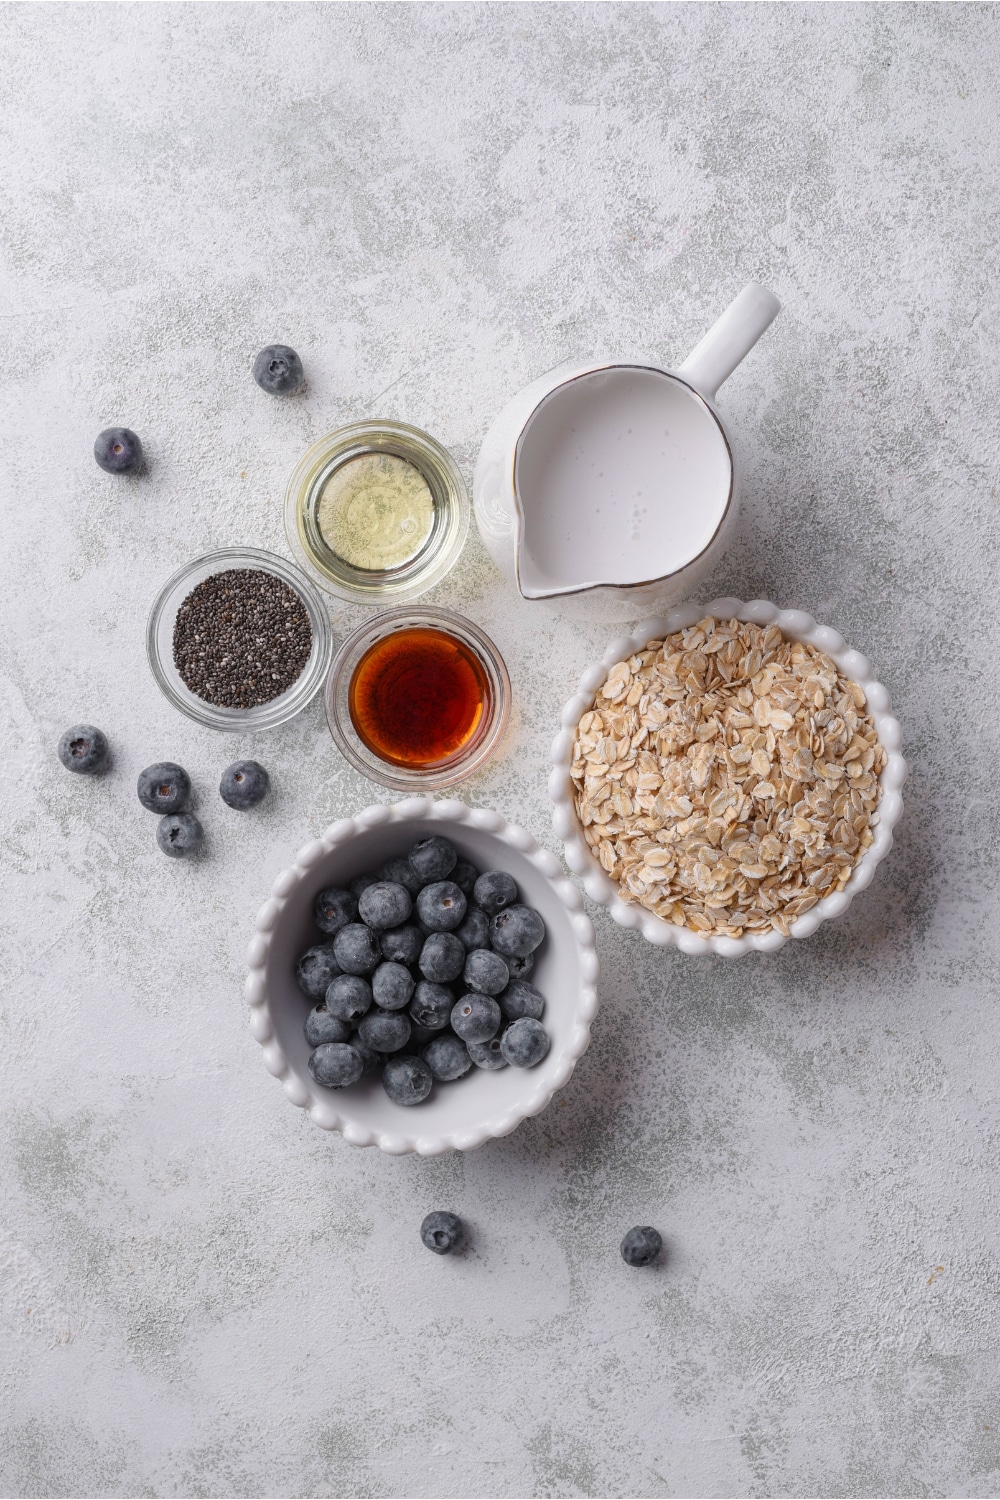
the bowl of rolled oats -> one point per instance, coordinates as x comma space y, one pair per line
727, 777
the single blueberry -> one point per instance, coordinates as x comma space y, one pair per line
384, 905
333, 909
348, 997
641, 1245
392, 986
442, 1232
475, 1018
118, 450
433, 859
385, 1030
493, 891
520, 967
323, 1026
441, 906
447, 1056
407, 1080
278, 370
485, 972
488, 1055
516, 930
432, 1005
357, 948
525, 1042
316, 970
401, 872
244, 784
361, 883
474, 928
83, 749
521, 999
402, 944
179, 833
335, 1065
464, 875
164, 788
442, 958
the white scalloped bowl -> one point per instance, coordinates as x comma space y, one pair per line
461, 1115
798, 626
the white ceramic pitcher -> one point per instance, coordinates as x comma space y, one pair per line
608, 488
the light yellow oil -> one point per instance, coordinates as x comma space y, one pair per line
376, 511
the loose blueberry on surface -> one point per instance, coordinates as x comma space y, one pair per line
164, 787
516, 930
401, 872
321, 1026
641, 1245
407, 1080
402, 944
442, 958
474, 928
335, 1065
442, 1232
244, 784
525, 1042
441, 906
361, 883
179, 833
521, 999
316, 970
385, 1030
278, 370
357, 948
348, 997
475, 1018
83, 749
520, 967
118, 450
392, 986
384, 905
493, 891
447, 1056
432, 1005
333, 909
433, 859
488, 1055
465, 876
485, 972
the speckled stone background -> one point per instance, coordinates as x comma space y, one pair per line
202, 1294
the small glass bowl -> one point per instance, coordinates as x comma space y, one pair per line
472, 756
160, 642
439, 551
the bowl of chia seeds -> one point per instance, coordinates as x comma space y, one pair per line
239, 639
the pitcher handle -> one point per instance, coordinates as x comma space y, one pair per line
730, 339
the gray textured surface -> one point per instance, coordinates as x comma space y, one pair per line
201, 1293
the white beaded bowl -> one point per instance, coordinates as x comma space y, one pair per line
461, 1115
798, 626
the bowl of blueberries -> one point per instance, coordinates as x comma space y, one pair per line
422, 978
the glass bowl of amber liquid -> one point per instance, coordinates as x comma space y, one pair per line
376, 513
418, 699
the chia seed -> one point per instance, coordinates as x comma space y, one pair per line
241, 638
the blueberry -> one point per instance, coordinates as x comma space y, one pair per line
433, 859
278, 370
244, 784
357, 948
493, 891
392, 986
641, 1245
474, 928
407, 1080
316, 970
517, 930
442, 958
485, 972
442, 1232
521, 999
179, 833
164, 788
322, 1026
348, 997
488, 1055
83, 749
402, 944
525, 1042
385, 1030
118, 450
333, 909
432, 1005
384, 905
476, 1018
335, 1065
520, 967
441, 906
464, 875
401, 872
361, 883
447, 1057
